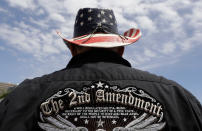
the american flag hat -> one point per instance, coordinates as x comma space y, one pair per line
96, 27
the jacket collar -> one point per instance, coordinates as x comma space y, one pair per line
97, 55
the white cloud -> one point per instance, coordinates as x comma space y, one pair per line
149, 53
53, 6
72, 6
158, 64
119, 5
168, 48
35, 68
14, 37
195, 19
42, 23
22, 3
191, 42
146, 23
57, 17
40, 12
123, 23
139, 59
29, 41
3, 10
49, 49
167, 17
169, 27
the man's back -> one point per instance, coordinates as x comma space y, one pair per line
98, 90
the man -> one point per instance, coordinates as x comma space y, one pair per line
98, 90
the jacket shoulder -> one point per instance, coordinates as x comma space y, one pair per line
150, 77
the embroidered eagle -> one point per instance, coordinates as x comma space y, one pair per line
143, 123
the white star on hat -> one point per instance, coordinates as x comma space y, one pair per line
81, 23
102, 12
90, 10
89, 18
103, 21
99, 24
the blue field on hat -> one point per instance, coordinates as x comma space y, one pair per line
90, 20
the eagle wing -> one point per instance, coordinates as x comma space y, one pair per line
58, 124
143, 123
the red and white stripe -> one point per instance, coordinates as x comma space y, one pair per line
105, 40
132, 32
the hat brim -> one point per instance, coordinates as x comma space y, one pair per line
105, 40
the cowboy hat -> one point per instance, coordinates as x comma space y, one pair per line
98, 28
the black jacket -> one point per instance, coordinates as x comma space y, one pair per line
99, 90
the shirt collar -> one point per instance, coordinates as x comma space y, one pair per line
97, 55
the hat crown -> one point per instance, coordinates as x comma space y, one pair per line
90, 20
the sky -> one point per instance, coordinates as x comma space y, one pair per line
170, 45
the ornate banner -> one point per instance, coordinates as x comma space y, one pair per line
101, 107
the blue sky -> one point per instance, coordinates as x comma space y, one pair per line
170, 46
